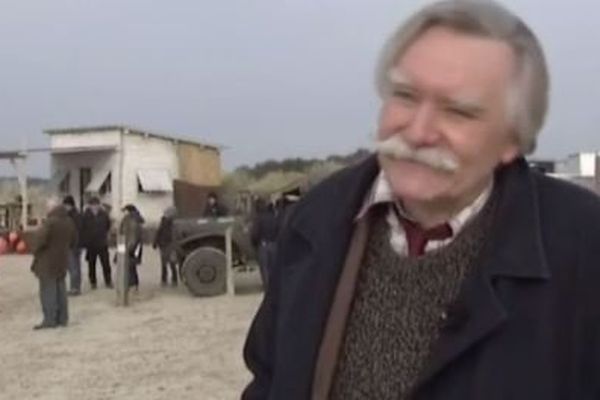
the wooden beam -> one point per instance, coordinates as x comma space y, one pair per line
19, 164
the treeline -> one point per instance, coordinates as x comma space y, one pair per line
299, 165
272, 176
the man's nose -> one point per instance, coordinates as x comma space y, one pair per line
422, 129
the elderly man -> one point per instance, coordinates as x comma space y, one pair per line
443, 267
52, 247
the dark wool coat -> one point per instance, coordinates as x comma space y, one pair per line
164, 233
52, 245
529, 325
77, 220
95, 229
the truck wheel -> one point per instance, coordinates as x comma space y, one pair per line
204, 272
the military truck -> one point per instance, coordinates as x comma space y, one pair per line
199, 245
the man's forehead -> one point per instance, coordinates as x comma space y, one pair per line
451, 60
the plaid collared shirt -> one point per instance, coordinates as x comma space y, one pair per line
381, 193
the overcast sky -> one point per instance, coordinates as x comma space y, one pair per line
266, 78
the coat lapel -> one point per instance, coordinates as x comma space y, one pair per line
325, 226
515, 252
329, 226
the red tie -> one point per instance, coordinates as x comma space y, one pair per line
417, 237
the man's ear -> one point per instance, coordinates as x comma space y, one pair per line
510, 152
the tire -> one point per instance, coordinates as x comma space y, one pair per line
204, 272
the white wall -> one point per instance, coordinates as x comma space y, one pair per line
140, 153
581, 164
91, 139
137, 152
588, 164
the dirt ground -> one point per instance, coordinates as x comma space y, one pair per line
165, 345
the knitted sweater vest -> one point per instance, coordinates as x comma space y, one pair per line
398, 311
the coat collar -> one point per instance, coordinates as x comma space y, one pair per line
516, 225
58, 212
517, 247
337, 203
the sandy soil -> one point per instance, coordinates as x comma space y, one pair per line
165, 345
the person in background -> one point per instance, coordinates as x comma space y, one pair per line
75, 262
52, 249
263, 234
214, 209
131, 228
95, 229
164, 242
285, 206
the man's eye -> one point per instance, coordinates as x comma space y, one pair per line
404, 95
460, 112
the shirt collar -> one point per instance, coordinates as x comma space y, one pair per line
381, 193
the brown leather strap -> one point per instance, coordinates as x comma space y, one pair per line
336, 322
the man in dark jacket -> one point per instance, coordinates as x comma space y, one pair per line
214, 208
263, 235
75, 262
52, 247
164, 241
95, 230
443, 267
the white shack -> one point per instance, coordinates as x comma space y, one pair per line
582, 169
122, 165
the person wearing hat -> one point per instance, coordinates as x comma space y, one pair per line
214, 208
131, 228
95, 230
75, 261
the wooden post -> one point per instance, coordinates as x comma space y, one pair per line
19, 165
229, 256
122, 275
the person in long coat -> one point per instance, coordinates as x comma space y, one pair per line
131, 229
263, 235
163, 240
442, 267
52, 247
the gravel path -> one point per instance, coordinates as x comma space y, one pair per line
166, 345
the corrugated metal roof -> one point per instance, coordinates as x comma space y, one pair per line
86, 149
131, 130
155, 180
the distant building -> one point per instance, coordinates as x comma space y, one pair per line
543, 166
579, 164
581, 169
124, 165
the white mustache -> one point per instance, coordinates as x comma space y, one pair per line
398, 148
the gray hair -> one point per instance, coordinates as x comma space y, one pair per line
52, 202
528, 96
